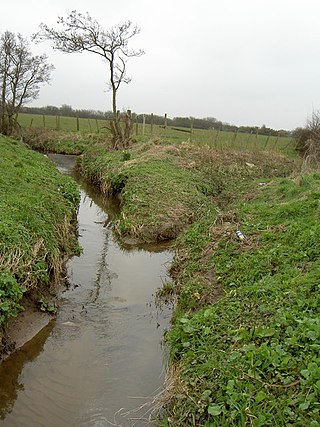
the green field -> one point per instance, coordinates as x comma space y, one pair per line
61, 123
212, 138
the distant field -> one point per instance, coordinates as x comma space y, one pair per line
218, 139
61, 123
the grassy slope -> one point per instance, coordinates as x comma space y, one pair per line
163, 187
54, 141
37, 205
246, 335
252, 356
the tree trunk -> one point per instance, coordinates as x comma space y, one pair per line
121, 138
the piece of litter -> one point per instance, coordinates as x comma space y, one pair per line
250, 165
70, 324
239, 235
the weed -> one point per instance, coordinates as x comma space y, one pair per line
44, 305
166, 291
125, 156
10, 295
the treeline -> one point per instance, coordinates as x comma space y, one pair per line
184, 122
67, 111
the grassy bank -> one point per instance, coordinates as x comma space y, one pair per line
37, 207
246, 337
244, 345
163, 188
55, 141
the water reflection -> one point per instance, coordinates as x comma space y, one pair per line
103, 357
10, 369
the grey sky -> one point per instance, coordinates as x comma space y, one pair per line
242, 61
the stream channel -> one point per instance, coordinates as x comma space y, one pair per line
101, 361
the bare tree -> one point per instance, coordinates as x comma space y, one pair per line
81, 33
20, 77
308, 138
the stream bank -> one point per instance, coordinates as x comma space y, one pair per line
102, 358
37, 212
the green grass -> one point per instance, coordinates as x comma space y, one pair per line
37, 207
222, 140
62, 142
68, 124
245, 340
244, 345
246, 336
165, 187
159, 196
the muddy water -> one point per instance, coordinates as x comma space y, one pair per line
102, 358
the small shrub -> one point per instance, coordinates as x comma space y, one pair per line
10, 296
118, 182
125, 156
302, 137
308, 138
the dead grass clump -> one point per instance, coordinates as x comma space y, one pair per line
173, 386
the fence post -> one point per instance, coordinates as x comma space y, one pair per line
165, 125
128, 125
151, 125
78, 124
256, 140
211, 139
235, 136
216, 138
137, 125
265, 145
97, 124
248, 139
191, 129
143, 124
44, 120
31, 121
89, 125
58, 122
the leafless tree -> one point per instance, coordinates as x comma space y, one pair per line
308, 138
21, 74
81, 33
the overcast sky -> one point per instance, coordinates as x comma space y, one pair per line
241, 61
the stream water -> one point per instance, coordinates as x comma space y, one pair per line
101, 361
